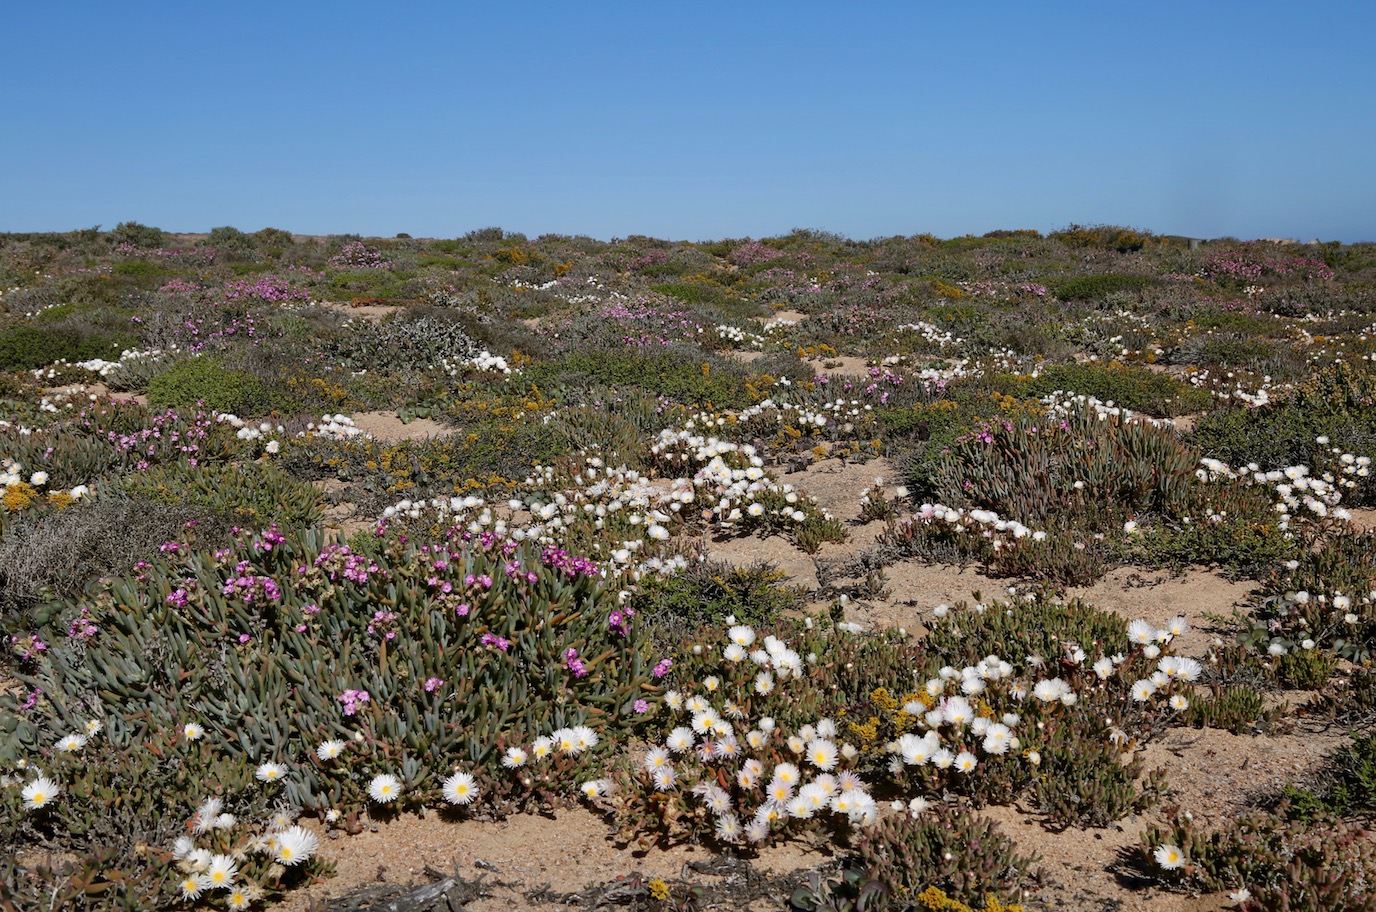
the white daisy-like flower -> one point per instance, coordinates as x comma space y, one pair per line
1179, 703
193, 885
270, 772
593, 788
221, 872
679, 740
587, 737
741, 635
1169, 857
384, 788
541, 748
94, 727
192, 731
460, 789
514, 758
40, 793
295, 845
965, 762
328, 750
70, 744
1142, 690
1141, 633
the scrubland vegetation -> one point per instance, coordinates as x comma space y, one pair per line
206, 669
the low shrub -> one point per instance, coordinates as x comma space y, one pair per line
206, 381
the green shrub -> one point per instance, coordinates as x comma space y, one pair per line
138, 235
685, 375
252, 495
25, 347
1129, 387
1098, 285
207, 381
707, 593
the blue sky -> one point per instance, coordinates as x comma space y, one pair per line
691, 120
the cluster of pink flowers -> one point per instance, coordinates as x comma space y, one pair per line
433, 684
752, 252
575, 664
29, 647
662, 668
82, 627
620, 620
561, 560
267, 289
338, 561
491, 639
353, 700
383, 621
1250, 266
180, 286
251, 587
169, 437
358, 255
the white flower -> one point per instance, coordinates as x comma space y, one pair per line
1051, 690
40, 793
1142, 690
328, 750
222, 871
1169, 857
741, 635
295, 845
384, 788
460, 789
270, 772
822, 754
965, 762
38, 479
71, 744
192, 731
514, 757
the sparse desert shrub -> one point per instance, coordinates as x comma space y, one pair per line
137, 235
1345, 786
1323, 866
53, 557
1103, 237
965, 857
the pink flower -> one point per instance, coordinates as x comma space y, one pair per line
641, 706
433, 684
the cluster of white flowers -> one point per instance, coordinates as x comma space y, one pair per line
483, 361
931, 333
334, 427
12, 475
739, 336
715, 745
106, 368
984, 522
202, 871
